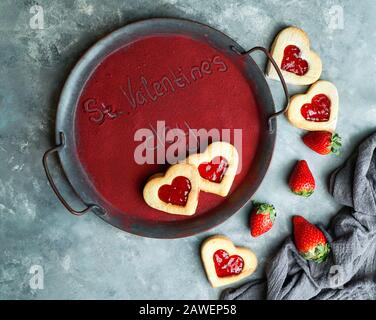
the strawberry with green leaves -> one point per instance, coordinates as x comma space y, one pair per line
262, 218
323, 142
309, 240
301, 180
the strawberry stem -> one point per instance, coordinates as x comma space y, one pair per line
336, 144
318, 254
304, 193
265, 208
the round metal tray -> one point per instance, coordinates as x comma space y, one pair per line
65, 139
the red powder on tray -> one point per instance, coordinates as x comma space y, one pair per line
172, 78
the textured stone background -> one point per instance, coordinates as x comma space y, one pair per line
86, 258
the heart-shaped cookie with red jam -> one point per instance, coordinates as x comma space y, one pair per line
317, 110
224, 263
216, 167
174, 192
298, 63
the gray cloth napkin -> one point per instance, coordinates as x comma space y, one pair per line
350, 271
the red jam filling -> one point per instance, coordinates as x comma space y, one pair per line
318, 110
226, 265
292, 62
177, 192
214, 170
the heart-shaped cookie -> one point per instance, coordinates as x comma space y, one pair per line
224, 263
317, 110
298, 63
216, 166
174, 192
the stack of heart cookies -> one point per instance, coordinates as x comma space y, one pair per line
317, 109
177, 190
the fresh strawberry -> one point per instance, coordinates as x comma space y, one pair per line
301, 180
323, 142
262, 218
309, 240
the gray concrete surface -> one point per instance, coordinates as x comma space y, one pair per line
84, 257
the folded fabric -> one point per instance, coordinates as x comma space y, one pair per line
350, 271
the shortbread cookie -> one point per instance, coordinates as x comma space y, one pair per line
174, 192
298, 63
224, 263
317, 110
216, 166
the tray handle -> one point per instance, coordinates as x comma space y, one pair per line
53, 185
283, 82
